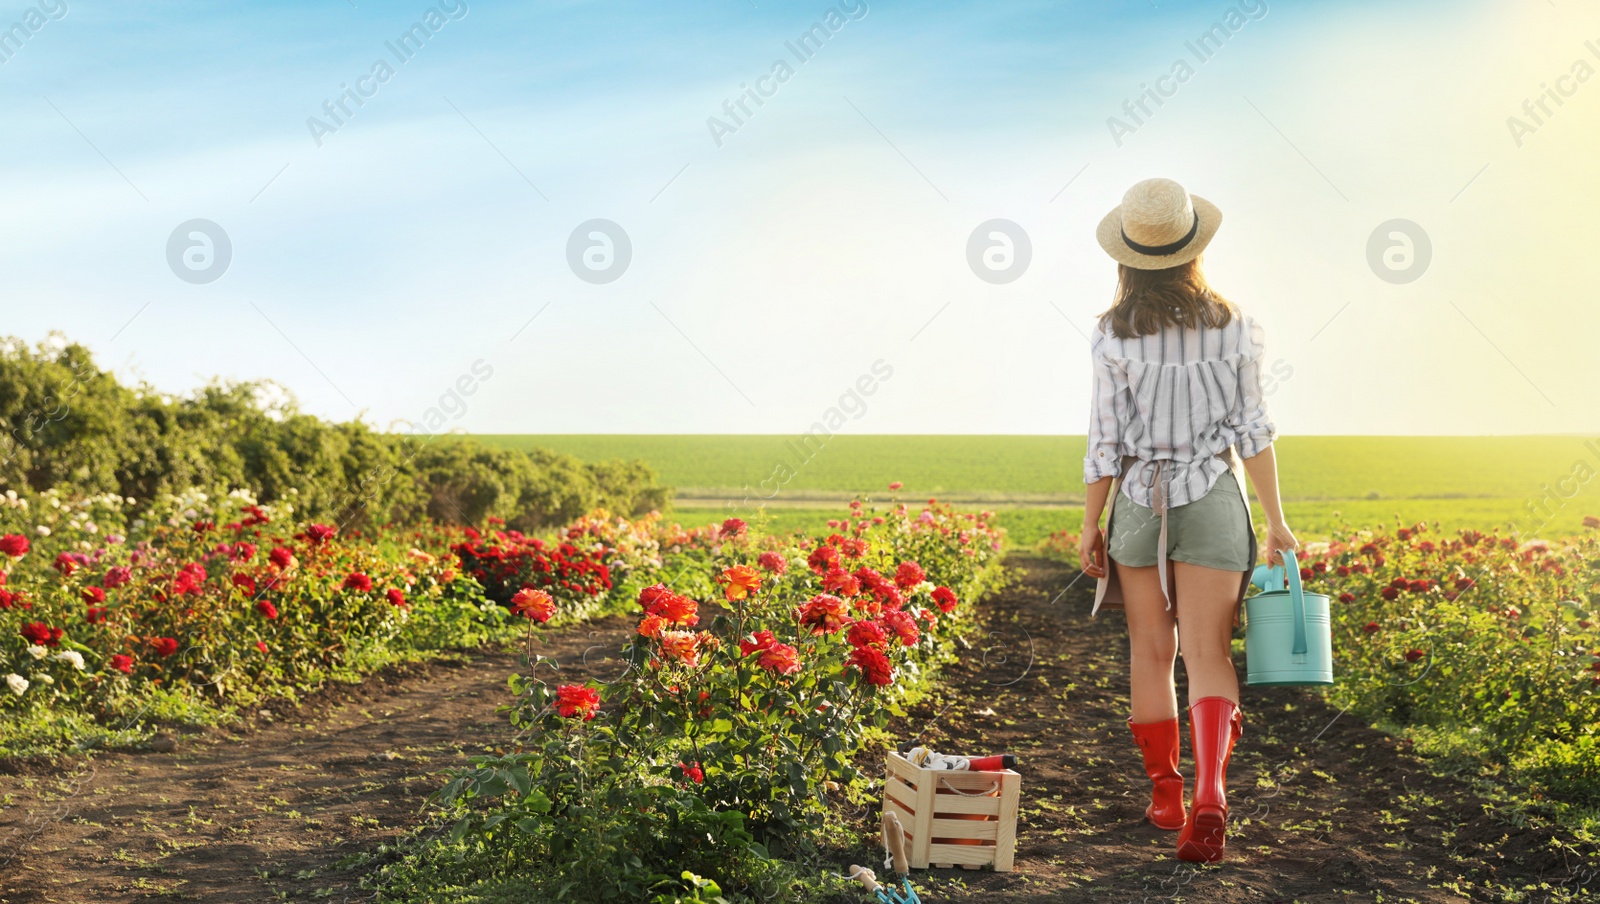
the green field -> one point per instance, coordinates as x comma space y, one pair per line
1036, 482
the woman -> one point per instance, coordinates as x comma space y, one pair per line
1178, 415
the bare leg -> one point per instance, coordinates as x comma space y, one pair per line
1205, 629
1152, 644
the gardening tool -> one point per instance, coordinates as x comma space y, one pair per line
924, 758
894, 845
1288, 638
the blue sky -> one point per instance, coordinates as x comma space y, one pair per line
826, 233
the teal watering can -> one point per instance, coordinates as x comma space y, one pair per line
1287, 635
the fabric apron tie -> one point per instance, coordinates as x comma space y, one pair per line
1158, 505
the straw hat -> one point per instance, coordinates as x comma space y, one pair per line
1158, 225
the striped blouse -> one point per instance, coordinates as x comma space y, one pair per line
1182, 394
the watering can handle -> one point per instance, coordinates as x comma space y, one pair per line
1297, 597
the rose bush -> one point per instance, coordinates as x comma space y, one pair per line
727, 742
1475, 644
112, 616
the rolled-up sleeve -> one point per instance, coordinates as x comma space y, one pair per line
1249, 421
1104, 457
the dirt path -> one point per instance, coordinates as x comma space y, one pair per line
1325, 808
266, 812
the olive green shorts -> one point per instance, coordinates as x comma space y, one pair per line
1212, 531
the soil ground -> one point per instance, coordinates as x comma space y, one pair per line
266, 811
1325, 808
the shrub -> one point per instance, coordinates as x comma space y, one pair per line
66, 425
720, 749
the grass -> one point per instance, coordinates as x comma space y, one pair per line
1035, 483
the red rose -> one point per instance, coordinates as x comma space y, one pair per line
823, 559
201, 527
866, 634
773, 562
1347, 597
122, 663
244, 552
573, 700
1414, 655
266, 608
319, 534
874, 665
733, 527
93, 595
903, 625
41, 634
534, 604
895, 485
14, 545
396, 597
164, 646
65, 564
651, 626
118, 576
1419, 586
95, 615
946, 598
190, 580
909, 575
245, 582
1390, 593
1371, 627
1305, 574
692, 772
358, 581
823, 614
780, 658
280, 557
842, 582
261, 646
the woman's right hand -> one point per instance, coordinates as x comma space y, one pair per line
1091, 552
1279, 538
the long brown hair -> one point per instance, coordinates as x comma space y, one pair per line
1147, 300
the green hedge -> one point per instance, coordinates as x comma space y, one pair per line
68, 425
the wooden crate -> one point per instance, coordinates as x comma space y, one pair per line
954, 818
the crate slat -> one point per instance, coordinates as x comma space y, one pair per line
962, 854
905, 795
983, 806
982, 829
1006, 839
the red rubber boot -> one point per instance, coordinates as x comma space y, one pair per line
1214, 726
1159, 743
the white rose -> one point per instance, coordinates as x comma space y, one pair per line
72, 656
44, 531
37, 652
17, 683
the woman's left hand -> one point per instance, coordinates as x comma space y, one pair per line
1092, 552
